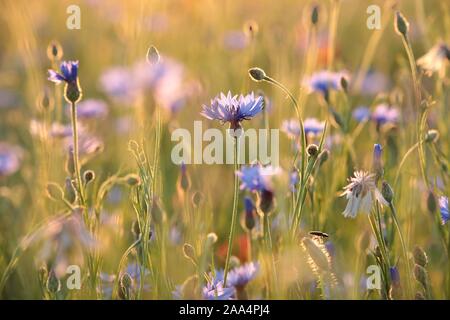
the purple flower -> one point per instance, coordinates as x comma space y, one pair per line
256, 178
324, 81
233, 109
443, 206
395, 276
235, 40
215, 290
374, 83
69, 72
10, 159
92, 109
377, 149
119, 83
385, 114
361, 114
291, 127
294, 178
240, 276
313, 126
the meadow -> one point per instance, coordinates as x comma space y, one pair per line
102, 198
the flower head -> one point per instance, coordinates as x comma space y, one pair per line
313, 126
384, 114
324, 81
215, 290
434, 60
292, 128
443, 206
256, 178
92, 109
240, 276
68, 74
10, 159
361, 193
233, 109
361, 114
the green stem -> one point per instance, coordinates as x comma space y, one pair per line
405, 252
234, 213
76, 159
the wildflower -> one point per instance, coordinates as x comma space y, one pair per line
256, 178
435, 59
215, 290
10, 159
294, 178
291, 127
233, 109
313, 126
236, 40
69, 75
240, 276
92, 109
119, 84
361, 192
443, 206
374, 83
384, 114
324, 81
361, 114
377, 164
249, 214
395, 275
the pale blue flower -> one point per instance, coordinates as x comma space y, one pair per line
443, 206
243, 274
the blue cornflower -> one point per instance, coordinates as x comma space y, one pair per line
240, 276
395, 275
443, 206
69, 72
361, 114
291, 127
92, 109
384, 114
10, 159
294, 178
215, 290
233, 109
324, 81
256, 178
313, 126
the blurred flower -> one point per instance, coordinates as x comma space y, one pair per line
443, 206
361, 193
235, 40
374, 83
361, 114
256, 177
395, 275
118, 83
10, 159
384, 114
69, 72
434, 60
58, 130
313, 126
88, 145
324, 81
294, 178
214, 290
291, 127
92, 109
233, 109
240, 276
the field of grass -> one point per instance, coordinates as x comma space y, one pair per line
94, 205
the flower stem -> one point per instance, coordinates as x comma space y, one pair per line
234, 213
405, 252
76, 159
